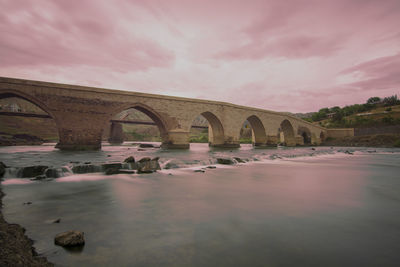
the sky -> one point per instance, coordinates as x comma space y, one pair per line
297, 56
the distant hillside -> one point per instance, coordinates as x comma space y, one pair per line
376, 112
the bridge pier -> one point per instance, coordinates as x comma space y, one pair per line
79, 131
79, 139
176, 140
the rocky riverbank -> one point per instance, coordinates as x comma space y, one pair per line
19, 140
16, 247
379, 140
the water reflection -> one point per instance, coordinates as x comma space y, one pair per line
336, 211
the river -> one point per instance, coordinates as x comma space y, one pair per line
301, 206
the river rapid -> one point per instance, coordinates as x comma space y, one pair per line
301, 206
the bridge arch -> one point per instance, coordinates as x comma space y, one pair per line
305, 133
160, 122
288, 133
259, 136
29, 98
216, 135
50, 122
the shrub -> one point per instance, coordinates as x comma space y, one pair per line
388, 120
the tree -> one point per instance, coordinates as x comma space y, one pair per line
391, 100
335, 109
374, 100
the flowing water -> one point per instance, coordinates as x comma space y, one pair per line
283, 207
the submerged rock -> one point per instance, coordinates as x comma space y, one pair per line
171, 165
39, 177
70, 239
225, 161
32, 171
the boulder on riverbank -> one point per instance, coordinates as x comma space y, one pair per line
2, 169
70, 239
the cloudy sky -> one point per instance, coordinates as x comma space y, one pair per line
293, 56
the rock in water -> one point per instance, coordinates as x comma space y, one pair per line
126, 171
51, 173
147, 165
111, 171
225, 161
146, 145
111, 166
86, 168
239, 160
32, 171
130, 160
144, 159
70, 239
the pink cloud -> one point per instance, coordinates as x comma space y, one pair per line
288, 46
64, 35
380, 73
280, 55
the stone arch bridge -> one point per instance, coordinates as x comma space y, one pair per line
83, 114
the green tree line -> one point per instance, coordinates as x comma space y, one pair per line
336, 113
